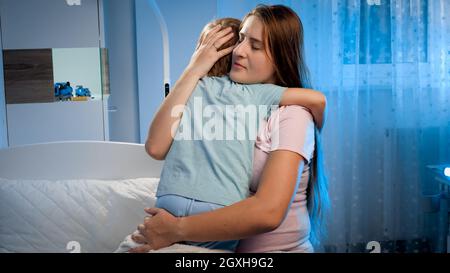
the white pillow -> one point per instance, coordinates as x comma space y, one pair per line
44, 216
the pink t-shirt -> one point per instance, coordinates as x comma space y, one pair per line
288, 128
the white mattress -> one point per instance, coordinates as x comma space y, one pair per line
44, 215
75, 215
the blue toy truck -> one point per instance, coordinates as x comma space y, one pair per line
80, 91
63, 91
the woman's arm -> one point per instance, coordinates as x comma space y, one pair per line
260, 213
315, 101
165, 123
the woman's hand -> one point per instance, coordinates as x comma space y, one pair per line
208, 53
157, 231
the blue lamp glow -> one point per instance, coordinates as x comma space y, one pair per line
447, 171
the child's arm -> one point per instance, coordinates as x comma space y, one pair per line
315, 101
165, 123
160, 134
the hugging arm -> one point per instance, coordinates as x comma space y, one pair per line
263, 212
167, 119
260, 213
315, 101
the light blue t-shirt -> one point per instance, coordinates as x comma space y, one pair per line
211, 157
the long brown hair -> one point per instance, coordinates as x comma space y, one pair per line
283, 32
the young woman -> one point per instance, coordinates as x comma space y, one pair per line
270, 50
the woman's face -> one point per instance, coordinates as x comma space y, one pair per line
251, 61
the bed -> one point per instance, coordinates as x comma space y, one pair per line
76, 196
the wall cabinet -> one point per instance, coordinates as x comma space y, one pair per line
47, 42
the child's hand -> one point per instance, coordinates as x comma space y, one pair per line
208, 53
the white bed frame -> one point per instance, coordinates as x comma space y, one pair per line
78, 160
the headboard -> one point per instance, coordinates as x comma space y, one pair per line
78, 160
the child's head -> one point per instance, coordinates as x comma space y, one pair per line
223, 65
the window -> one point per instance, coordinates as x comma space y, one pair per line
372, 35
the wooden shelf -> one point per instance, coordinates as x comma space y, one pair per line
28, 76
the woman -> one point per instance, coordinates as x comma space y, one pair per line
269, 50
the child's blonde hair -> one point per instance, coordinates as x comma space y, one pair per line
223, 65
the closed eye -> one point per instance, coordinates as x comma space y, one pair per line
256, 47
255, 44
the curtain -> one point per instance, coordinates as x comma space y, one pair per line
384, 66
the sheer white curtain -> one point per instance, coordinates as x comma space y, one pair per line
385, 68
